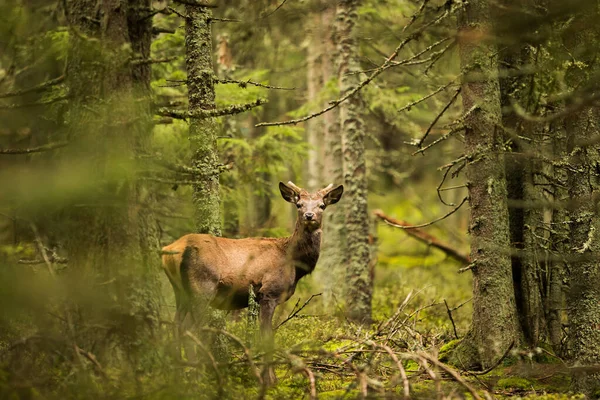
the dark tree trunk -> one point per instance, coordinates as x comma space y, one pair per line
521, 168
495, 325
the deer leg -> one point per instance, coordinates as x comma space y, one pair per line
267, 308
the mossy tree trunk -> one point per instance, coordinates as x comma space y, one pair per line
583, 298
495, 325
314, 80
332, 260
559, 241
358, 278
525, 220
203, 132
110, 234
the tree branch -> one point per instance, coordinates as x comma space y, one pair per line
424, 237
203, 114
37, 88
39, 149
388, 63
243, 84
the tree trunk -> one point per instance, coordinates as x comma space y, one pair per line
314, 80
203, 132
495, 325
524, 220
358, 278
559, 239
332, 259
110, 236
583, 299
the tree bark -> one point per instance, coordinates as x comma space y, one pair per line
583, 298
495, 325
314, 79
203, 133
332, 259
520, 169
358, 277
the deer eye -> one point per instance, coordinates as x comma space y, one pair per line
322, 206
298, 205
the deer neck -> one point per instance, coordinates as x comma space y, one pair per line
305, 246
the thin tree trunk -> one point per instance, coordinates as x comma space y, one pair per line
358, 277
332, 259
314, 79
495, 325
203, 133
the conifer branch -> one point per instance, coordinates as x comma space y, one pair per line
243, 84
388, 63
34, 104
419, 142
37, 88
146, 61
39, 149
203, 114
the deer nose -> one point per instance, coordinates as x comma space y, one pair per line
309, 216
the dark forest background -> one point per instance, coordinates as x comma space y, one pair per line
462, 261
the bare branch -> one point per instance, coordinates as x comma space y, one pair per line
39, 149
243, 84
437, 118
424, 237
388, 63
431, 222
147, 61
203, 114
34, 104
294, 313
37, 88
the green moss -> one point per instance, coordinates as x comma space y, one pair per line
447, 349
515, 382
340, 393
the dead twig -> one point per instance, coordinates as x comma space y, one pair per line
210, 357
455, 375
488, 370
424, 237
296, 311
451, 318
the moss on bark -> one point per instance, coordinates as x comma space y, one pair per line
358, 277
495, 323
203, 132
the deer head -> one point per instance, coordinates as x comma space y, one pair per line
310, 205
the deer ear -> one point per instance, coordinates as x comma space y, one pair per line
334, 195
288, 193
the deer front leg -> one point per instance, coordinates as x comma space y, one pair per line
267, 308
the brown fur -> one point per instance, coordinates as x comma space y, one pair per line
211, 271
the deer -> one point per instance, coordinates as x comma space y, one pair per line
207, 271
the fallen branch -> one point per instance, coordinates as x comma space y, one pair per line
413, 231
455, 375
488, 370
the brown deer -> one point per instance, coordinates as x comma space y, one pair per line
208, 271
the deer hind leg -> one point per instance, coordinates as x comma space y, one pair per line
267, 309
200, 288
